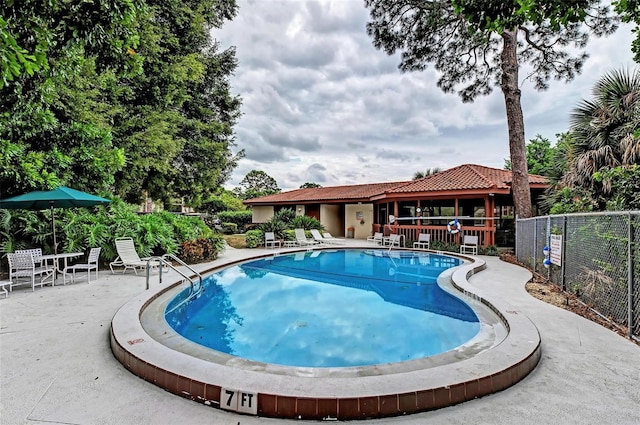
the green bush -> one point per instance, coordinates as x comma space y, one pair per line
444, 246
201, 249
274, 225
285, 215
488, 250
229, 228
78, 229
289, 235
240, 218
254, 238
306, 222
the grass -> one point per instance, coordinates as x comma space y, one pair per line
236, 241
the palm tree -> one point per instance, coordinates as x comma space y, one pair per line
605, 131
428, 172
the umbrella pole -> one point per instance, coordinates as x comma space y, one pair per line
53, 228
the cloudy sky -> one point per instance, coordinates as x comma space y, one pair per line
321, 104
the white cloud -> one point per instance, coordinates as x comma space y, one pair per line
317, 93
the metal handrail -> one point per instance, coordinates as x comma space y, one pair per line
182, 263
163, 262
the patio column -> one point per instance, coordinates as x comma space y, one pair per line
489, 224
396, 215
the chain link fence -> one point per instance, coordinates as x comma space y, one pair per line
598, 256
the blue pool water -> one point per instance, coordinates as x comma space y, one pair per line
328, 309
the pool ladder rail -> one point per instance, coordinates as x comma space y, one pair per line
195, 279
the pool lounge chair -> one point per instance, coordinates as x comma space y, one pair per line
330, 239
128, 257
270, 240
393, 240
377, 238
317, 236
423, 241
469, 245
302, 240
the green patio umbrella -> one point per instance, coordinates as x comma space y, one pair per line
62, 197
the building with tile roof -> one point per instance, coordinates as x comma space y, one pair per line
464, 193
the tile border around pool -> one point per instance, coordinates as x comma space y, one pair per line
329, 397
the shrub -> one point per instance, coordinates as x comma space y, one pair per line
488, 250
240, 218
274, 225
289, 235
438, 245
229, 228
306, 222
285, 215
78, 229
444, 246
191, 252
254, 238
201, 249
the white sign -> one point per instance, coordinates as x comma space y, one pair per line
239, 401
555, 246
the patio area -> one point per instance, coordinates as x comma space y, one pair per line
57, 366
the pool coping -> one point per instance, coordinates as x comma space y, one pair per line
330, 397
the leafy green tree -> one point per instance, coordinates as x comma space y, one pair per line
605, 132
309, 185
55, 130
223, 200
539, 155
568, 200
543, 158
57, 59
34, 33
629, 11
176, 124
560, 154
625, 187
549, 161
478, 44
256, 184
428, 172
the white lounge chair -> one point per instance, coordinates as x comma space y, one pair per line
393, 239
128, 257
91, 264
377, 238
469, 245
317, 236
330, 239
423, 241
22, 265
301, 238
270, 240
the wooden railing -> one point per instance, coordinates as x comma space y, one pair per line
486, 235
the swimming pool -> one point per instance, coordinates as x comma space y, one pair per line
333, 308
504, 351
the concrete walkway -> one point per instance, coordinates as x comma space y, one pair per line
57, 368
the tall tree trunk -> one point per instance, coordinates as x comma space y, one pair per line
515, 122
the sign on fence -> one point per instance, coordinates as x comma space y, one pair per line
555, 246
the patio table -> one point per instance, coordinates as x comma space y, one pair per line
55, 258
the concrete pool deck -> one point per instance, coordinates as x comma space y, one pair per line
56, 364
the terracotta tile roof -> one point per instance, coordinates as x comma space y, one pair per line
463, 177
466, 177
334, 193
